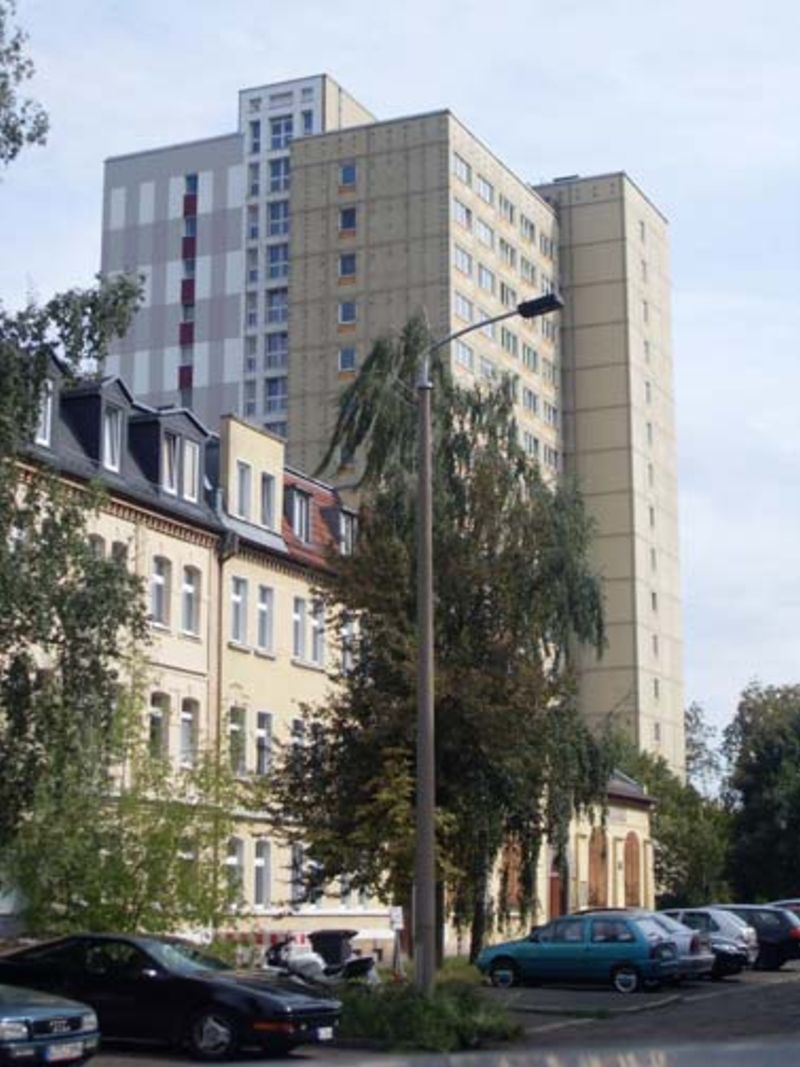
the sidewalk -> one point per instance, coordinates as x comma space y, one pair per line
579, 1001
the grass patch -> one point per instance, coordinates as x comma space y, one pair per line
458, 969
400, 1017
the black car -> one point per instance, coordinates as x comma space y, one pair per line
37, 1027
778, 933
162, 989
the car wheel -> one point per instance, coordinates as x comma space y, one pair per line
212, 1035
504, 973
626, 979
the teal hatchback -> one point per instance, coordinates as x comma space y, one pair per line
628, 951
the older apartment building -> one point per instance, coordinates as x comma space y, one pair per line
274, 257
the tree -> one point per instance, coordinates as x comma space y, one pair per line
68, 617
513, 586
762, 745
703, 763
126, 843
22, 121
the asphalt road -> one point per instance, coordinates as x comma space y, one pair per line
756, 1008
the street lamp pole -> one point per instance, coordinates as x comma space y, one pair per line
425, 844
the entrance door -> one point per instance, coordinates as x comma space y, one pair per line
598, 869
633, 880
558, 891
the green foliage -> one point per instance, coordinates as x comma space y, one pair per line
22, 121
762, 745
453, 1018
513, 587
691, 832
131, 846
68, 617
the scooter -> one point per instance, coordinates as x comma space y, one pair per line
287, 958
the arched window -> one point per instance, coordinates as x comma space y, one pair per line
190, 601
190, 716
160, 590
158, 729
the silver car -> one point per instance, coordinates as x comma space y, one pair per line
695, 958
725, 931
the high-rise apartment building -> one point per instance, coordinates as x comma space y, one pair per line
275, 256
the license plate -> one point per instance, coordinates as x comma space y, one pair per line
70, 1050
324, 1033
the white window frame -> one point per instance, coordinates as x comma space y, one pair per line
112, 438
264, 730
190, 601
237, 739
170, 450
318, 633
160, 590
239, 610
265, 630
234, 863
159, 713
262, 873
268, 500
190, 474
244, 488
190, 718
45, 423
299, 616
347, 364
301, 515
343, 312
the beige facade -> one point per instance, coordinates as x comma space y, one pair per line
619, 440
415, 215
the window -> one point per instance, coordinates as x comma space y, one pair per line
347, 358
243, 489
508, 296
187, 312
280, 132
255, 135
549, 371
160, 590
190, 601
485, 278
509, 341
97, 546
268, 501
347, 219
237, 740
530, 400
276, 351
656, 689
508, 254
464, 355
462, 169
262, 862
190, 226
45, 415
649, 432
527, 228
263, 742
301, 514
348, 525
169, 463
112, 438
462, 214
653, 560
484, 189
253, 179
234, 864
530, 444
488, 329
530, 357
276, 395
308, 122
190, 717
642, 231
239, 610
648, 393
484, 233
252, 266
190, 184
278, 218
252, 223
318, 633
280, 99
651, 515
119, 553
506, 209
644, 270
645, 311
278, 261
190, 476
488, 369
158, 726
265, 618
277, 305
550, 414
299, 628
527, 270
347, 265
348, 638
654, 643
463, 307
348, 172
654, 601
249, 398
189, 267
462, 260
348, 312
279, 175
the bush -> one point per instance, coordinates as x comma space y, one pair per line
453, 1018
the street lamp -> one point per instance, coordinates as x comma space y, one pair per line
425, 843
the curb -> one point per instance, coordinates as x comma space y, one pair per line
598, 1013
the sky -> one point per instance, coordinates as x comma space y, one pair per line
696, 99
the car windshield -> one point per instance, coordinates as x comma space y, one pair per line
184, 958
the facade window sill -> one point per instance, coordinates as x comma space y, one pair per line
346, 327
265, 653
187, 635
347, 279
308, 665
347, 233
237, 646
162, 627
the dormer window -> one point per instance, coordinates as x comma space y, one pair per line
44, 424
112, 438
347, 532
301, 515
169, 463
268, 501
243, 489
190, 481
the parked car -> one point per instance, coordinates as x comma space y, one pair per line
695, 958
793, 904
36, 1027
734, 943
161, 989
628, 951
778, 932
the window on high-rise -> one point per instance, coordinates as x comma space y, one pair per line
462, 169
348, 312
462, 214
484, 233
280, 132
506, 209
462, 260
347, 358
277, 301
276, 351
255, 135
308, 122
348, 172
462, 306
347, 265
484, 189
278, 260
347, 219
190, 184
253, 180
276, 395
485, 278
464, 355
278, 218
190, 226
279, 175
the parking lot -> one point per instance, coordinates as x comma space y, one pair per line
759, 1008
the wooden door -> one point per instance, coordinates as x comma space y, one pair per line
598, 869
633, 879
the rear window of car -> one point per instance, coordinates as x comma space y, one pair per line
614, 930
671, 925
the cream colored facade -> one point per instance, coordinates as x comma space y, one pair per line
619, 432
411, 215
